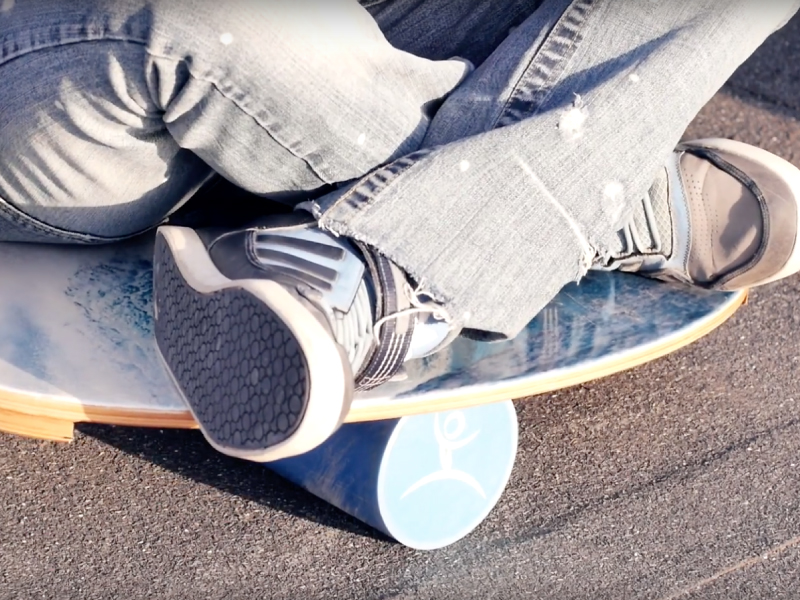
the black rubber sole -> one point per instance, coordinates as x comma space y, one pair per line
236, 363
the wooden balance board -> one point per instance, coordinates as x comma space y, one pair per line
77, 345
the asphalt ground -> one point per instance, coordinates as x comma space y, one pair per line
679, 479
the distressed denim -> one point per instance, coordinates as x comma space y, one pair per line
493, 187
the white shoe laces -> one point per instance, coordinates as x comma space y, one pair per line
418, 306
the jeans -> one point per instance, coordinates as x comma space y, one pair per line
491, 149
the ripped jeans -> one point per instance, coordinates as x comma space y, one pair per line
494, 186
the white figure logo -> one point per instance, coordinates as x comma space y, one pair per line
447, 438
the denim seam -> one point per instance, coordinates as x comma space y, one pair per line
364, 193
568, 27
21, 219
8, 57
537, 78
217, 86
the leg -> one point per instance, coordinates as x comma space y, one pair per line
263, 302
136, 104
491, 219
569, 120
471, 29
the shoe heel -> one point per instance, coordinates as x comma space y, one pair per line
234, 354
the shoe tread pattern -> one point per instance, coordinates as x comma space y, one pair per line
238, 366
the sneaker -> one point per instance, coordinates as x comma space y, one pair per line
268, 330
721, 215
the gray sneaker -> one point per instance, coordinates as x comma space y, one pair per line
721, 215
269, 329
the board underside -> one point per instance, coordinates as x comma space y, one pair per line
76, 342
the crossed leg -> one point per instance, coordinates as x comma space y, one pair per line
526, 169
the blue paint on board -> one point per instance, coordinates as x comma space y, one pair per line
25, 345
117, 296
606, 314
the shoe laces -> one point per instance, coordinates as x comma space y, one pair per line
421, 303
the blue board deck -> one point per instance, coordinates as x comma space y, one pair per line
76, 344
77, 339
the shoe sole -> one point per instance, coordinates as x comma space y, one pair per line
782, 168
261, 375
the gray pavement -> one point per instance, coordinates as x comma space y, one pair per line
679, 479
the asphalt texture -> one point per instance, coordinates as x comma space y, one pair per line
678, 479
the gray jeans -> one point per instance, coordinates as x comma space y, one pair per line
493, 187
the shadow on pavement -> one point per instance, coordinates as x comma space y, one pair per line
772, 74
187, 454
